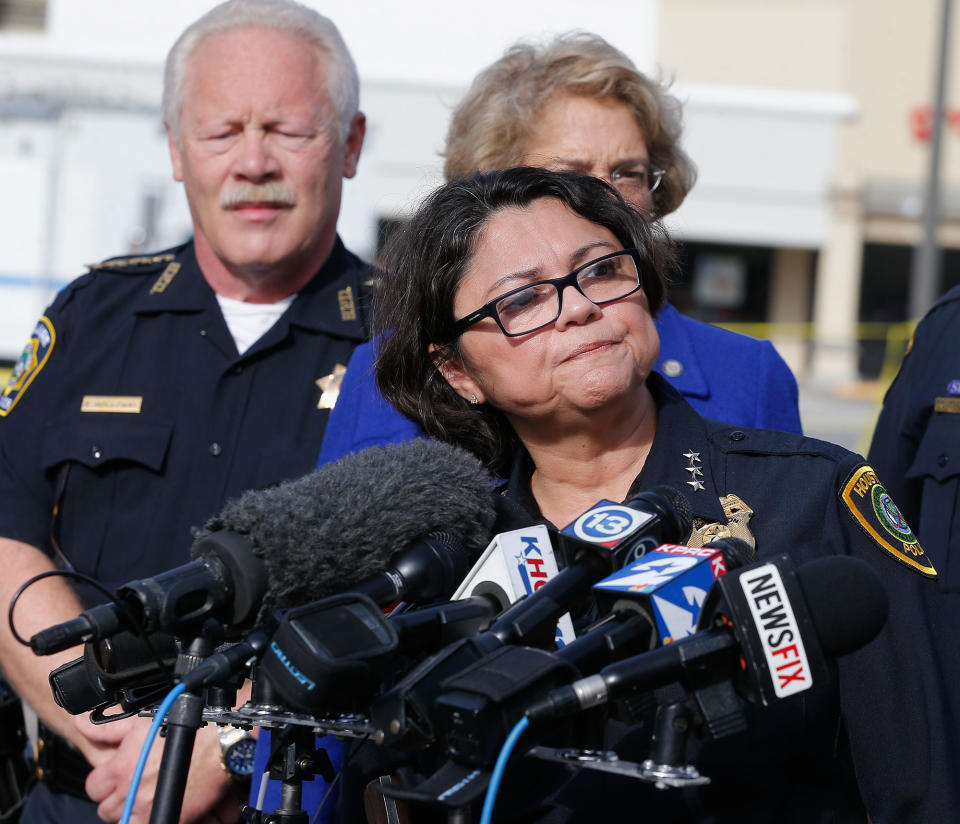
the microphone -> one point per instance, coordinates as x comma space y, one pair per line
514, 565
670, 584
604, 538
403, 714
422, 506
770, 637
768, 642
630, 530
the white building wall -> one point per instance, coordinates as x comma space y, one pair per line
81, 142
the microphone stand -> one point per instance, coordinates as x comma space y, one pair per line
182, 723
292, 761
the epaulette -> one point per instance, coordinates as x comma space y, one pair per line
773, 442
133, 264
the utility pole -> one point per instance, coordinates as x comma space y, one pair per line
925, 271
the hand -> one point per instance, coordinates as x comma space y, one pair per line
211, 797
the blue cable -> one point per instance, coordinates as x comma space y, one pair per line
145, 750
486, 816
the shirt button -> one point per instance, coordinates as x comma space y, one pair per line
237, 370
96, 452
737, 435
215, 449
943, 459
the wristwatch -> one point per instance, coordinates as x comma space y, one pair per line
237, 748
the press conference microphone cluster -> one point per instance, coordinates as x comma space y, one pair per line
779, 624
403, 714
403, 521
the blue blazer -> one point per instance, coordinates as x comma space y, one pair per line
704, 363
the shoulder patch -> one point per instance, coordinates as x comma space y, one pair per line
877, 515
33, 358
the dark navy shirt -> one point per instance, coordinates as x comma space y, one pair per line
916, 445
132, 415
725, 376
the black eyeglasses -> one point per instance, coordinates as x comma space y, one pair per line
536, 305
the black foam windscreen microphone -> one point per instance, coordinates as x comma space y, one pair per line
423, 503
343, 524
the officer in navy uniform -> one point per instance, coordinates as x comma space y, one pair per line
550, 383
156, 387
916, 444
784, 493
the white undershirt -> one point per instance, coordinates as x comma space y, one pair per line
248, 322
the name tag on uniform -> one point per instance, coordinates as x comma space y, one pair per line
946, 405
112, 403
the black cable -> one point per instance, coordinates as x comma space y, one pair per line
135, 626
49, 574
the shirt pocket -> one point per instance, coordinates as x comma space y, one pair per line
108, 471
936, 466
99, 442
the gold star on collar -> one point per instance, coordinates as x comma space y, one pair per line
330, 387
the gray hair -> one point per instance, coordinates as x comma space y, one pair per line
280, 15
499, 114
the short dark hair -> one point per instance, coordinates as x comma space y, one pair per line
426, 261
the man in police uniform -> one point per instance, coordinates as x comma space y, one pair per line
156, 387
916, 445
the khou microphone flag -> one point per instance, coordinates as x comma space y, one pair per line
517, 563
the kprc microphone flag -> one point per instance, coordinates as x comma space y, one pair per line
673, 580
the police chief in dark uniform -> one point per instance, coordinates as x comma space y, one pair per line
156, 387
522, 305
916, 444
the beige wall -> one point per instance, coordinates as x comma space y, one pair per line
880, 51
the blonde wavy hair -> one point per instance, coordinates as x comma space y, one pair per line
494, 122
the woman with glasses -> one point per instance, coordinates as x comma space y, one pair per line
521, 305
579, 104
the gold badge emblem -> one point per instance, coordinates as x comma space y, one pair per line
330, 387
166, 276
348, 309
737, 525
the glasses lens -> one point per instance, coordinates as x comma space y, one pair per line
529, 308
636, 179
654, 177
609, 279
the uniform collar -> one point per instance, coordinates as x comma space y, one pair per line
331, 302
681, 456
677, 351
681, 441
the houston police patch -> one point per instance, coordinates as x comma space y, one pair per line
878, 516
33, 358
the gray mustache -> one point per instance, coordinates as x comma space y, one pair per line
273, 193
